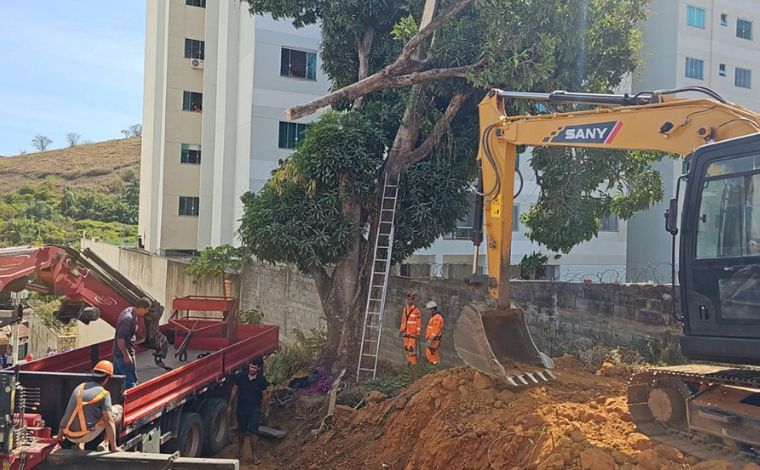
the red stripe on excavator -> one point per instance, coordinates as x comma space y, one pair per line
614, 132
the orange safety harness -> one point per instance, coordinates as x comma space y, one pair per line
79, 413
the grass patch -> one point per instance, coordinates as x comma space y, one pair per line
389, 385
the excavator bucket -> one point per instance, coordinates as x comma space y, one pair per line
496, 341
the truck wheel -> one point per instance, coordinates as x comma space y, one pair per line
191, 435
217, 424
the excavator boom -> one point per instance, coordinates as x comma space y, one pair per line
494, 337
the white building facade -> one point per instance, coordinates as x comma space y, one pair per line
710, 43
217, 82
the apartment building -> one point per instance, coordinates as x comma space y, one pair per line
711, 43
217, 81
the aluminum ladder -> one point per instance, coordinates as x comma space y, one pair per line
378, 282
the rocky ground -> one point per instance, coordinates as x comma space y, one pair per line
457, 419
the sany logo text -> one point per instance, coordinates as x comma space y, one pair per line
597, 133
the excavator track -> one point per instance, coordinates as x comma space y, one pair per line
688, 381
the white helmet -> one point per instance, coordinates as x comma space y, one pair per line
431, 304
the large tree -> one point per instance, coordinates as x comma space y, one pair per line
405, 103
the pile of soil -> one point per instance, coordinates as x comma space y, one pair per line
458, 419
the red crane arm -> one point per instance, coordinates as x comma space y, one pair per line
89, 287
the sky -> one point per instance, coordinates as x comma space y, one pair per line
69, 66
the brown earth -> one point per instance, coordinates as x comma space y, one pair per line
83, 166
456, 419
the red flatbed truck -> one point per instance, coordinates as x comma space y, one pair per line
180, 404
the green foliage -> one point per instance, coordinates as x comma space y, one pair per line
298, 216
215, 261
405, 28
297, 355
50, 213
252, 316
533, 266
581, 188
45, 307
389, 385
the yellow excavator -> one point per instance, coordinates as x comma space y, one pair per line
719, 252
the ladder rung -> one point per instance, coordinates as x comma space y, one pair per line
368, 355
367, 370
387, 210
372, 327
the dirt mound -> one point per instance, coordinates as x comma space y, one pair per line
457, 419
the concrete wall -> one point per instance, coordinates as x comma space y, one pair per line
558, 313
161, 277
43, 339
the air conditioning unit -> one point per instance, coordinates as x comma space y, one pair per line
196, 63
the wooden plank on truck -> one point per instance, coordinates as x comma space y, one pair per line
73, 459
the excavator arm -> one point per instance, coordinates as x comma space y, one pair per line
494, 337
88, 287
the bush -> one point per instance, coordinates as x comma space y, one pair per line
297, 355
251, 316
533, 266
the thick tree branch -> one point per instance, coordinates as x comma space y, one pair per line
411, 46
321, 280
364, 46
404, 160
374, 83
388, 77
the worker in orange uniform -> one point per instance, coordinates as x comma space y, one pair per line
90, 411
411, 325
433, 333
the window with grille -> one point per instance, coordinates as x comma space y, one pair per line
196, 3
723, 19
190, 154
609, 224
192, 101
743, 78
188, 205
722, 70
194, 49
695, 68
744, 29
695, 17
291, 133
295, 63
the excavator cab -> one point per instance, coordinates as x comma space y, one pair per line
720, 253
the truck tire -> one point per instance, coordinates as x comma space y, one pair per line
191, 435
217, 424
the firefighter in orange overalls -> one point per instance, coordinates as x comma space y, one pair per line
433, 333
411, 325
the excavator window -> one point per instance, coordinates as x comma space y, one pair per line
728, 224
729, 228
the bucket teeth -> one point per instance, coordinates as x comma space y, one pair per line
511, 381
531, 377
540, 374
549, 373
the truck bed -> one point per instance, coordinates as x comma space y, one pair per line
159, 390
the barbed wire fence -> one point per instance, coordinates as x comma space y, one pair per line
650, 273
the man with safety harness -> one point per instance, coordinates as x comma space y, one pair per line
411, 324
433, 334
89, 411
